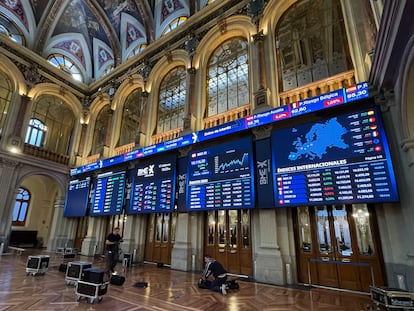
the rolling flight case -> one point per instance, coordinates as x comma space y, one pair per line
37, 264
392, 298
91, 291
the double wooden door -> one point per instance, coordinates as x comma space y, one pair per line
160, 237
338, 246
228, 239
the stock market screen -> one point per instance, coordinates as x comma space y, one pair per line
221, 177
342, 159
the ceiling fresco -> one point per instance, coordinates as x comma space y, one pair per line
93, 33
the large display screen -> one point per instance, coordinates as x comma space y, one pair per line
221, 177
108, 195
77, 198
153, 185
302, 107
344, 159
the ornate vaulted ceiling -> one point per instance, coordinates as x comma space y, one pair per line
96, 35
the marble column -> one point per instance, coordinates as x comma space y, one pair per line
268, 264
181, 252
8, 177
63, 230
93, 243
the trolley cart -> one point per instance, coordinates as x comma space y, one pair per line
392, 298
91, 291
74, 271
37, 264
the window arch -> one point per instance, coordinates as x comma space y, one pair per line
131, 117
228, 77
21, 207
65, 64
51, 124
312, 43
136, 50
174, 24
10, 30
36, 133
103, 121
6, 91
172, 100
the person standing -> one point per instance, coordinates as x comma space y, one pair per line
112, 249
214, 268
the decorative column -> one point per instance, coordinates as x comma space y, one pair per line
15, 140
93, 243
140, 136
268, 265
189, 120
181, 252
8, 193
128, 234
262, 94
63, 229
105, 153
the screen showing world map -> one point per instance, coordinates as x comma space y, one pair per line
343, 159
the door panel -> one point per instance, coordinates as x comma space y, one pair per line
160, 237
228, 239
338, 246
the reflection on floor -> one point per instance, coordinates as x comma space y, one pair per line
168, 290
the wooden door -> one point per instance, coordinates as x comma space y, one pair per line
338, 246
228, 240
160, 237
81, 231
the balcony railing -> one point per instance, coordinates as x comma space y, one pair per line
124, 148
46, 154
93, 158
319, 87
227, 116
170, 135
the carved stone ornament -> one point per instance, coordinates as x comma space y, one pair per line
262, 132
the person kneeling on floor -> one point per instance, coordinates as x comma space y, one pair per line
214, 268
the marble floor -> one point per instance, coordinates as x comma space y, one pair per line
167, 290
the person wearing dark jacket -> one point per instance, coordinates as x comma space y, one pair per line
112, 248
214, 268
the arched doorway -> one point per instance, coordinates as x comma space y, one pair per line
338, 246
228, 239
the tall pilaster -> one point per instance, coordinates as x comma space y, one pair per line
8, 176
181, 255
189, 120
93, 243
63, 230
261, 95
268, 266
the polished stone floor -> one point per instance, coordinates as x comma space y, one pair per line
167, 290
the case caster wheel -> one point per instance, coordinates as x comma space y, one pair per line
100, 299
78, 298
92, 300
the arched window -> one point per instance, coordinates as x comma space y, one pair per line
67, 65
21, 207
228, 77
5, 98
131, 117
174, 24
312, 43
51, 124
172, 100
103, 122
35, 133
10, 30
